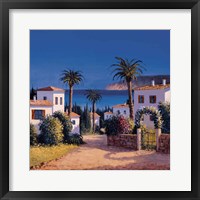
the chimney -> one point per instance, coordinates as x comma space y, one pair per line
34, 97
164, 81
153, 83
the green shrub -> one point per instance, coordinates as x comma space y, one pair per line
164, 108
117, 125
66, 123
76, 138
51, 131
33, 135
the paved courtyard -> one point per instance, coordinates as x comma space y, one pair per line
96, 155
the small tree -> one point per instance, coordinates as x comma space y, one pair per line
51, 131
66, 123
33, 135
164, 108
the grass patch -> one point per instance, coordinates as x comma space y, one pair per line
41, 154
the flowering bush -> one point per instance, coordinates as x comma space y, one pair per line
51, 131
66, 123
117, 125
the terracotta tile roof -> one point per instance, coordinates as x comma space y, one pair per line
73, 114
109, 113
95, 115
40, 103
51, 88
121, 106
153, 87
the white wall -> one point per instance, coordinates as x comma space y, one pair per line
115, 111
96, 121
35, 122
161, 96
76, 126
51, 97
58, 107
168, 96
107, 116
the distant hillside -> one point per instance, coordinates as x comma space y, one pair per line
141, 81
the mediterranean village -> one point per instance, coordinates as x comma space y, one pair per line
133, 134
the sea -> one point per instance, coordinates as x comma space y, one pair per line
109, 98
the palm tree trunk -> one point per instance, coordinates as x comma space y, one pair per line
93, 117
70, 99
129, 84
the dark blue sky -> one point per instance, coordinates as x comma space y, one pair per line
92, 52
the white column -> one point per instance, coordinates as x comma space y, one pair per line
158, 133
138, 139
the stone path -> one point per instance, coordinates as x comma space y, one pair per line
96, 155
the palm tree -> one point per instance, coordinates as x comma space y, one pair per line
127, 71
71, 78
93, 96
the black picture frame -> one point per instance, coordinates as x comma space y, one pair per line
5, 5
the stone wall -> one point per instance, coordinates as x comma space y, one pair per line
123, 140
164, 143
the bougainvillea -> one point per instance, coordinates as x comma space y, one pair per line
148, 110
117, 125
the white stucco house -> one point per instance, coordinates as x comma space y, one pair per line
96, 119
151, 95
119, 109
75, 119
49, 100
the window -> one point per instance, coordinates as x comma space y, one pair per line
151, 118
73, 122
44, 98
38, 114
118, 112
140, 98
61, 100
125, 112
56, 100
152, 99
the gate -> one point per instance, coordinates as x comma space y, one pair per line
148, 139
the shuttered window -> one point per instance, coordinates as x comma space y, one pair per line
152, 99
38, 114
140, 98
56, 100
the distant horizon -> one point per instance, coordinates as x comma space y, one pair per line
89, 88
93, 52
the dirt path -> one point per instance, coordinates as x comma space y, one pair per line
96, 155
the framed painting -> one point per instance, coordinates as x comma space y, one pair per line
99, 99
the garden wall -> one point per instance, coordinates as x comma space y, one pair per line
164, 143
123, 140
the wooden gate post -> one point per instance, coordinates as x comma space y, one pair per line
158, 133
139, 139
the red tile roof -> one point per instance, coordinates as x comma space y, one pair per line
153, 87
51, 88
73, 114
95, 115
40, 103
121, 106
109, 113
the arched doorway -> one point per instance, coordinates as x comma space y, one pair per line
148, 139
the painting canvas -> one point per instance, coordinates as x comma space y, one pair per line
100, 99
